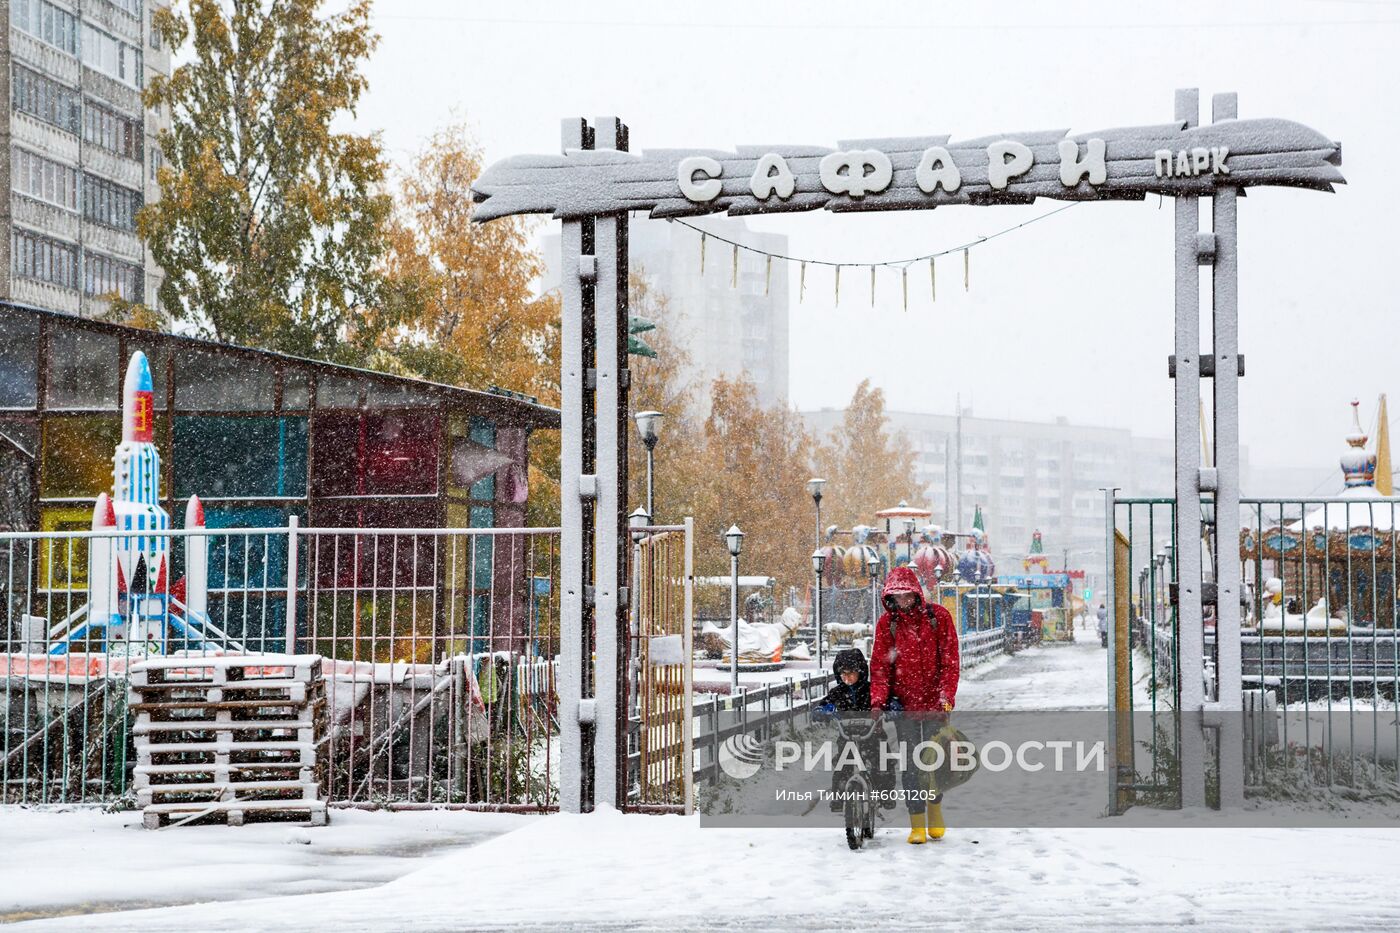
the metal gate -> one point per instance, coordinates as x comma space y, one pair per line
1319, 650
1144, 653
659, 736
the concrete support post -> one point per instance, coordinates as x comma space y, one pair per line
610, 533
1190, 698
1225, 301
573, 583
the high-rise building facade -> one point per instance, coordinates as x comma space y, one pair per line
731, 319
1027, 476
80, 151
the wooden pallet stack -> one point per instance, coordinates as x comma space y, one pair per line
228, 738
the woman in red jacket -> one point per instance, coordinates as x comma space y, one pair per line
914, 667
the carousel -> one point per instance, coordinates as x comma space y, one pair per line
1035, 560
1334, 569
855, 560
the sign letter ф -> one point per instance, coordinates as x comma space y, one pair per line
858, 172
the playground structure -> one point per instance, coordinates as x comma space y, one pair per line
134, 605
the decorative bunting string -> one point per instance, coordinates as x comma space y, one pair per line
901, 264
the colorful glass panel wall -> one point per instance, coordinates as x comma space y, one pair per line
376, 453
85, 370
249, 457
206, 381
76, 460
19, 367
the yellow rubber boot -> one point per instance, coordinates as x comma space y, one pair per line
935, 821
918, 835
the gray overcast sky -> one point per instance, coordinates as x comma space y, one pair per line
1072, 316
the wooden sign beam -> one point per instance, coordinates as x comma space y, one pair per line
915, 173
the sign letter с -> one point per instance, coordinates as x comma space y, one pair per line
706, 190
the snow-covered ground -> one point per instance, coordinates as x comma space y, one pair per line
605, 870
59, 860
450, 871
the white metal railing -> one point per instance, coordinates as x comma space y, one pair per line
440, 649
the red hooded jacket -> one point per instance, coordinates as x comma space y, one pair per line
921, 665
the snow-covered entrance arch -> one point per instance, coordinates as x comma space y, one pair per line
596, 182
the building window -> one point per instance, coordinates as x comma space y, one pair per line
108, 203
103, 275
37, 177
127, 6
39, 257
111, 56
157, 162
155, 33
111, 131
45, 21
45, 99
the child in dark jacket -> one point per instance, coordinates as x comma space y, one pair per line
852, 693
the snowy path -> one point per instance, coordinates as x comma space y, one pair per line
607, 871
1070, 676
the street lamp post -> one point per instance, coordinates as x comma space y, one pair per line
814, 486
872, 563
734, 540
1159, 562
649, 426
818, 558
957, 596
636, 522
909, 537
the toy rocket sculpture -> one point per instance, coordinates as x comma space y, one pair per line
129, 575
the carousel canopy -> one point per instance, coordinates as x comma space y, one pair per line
904, 510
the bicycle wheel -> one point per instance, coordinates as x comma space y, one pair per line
855, 837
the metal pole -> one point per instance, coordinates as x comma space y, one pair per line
688, 716
1191, 643
874, 600
651, 488
820, 663
291, 634
1110, 524
734, 628
818, 500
